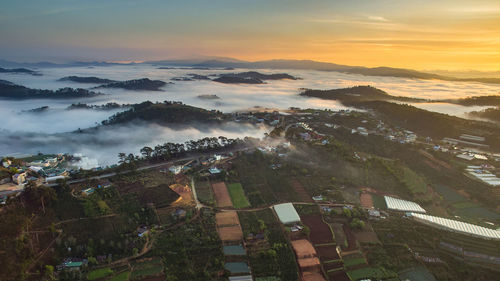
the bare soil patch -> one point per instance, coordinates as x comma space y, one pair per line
320, 231
221, 195
366, 200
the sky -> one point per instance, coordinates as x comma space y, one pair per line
417, 34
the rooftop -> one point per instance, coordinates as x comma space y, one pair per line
458, 226
286, 213
402, 205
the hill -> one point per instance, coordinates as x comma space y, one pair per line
164, 113
354, 94
144, 84
9, 90
93, 80
19, 70
492, 114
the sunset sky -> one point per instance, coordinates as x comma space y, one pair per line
418, 34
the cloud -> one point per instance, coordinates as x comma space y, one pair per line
378, 18
50, 131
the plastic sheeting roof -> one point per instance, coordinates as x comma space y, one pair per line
463, 227
286, 213
402, 205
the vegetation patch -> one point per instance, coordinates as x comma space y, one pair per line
354, 261
99, 273
121, 277
237, 195
371, 272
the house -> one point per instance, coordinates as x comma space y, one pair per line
6, 163
374, 213
318, 198
88, 191
214, 171
175, 169
19, 178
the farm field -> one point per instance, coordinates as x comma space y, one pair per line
228, 226
184, 255
227, 218
120, 277
350, 262
327, 253
366, 200
370, 272
230, 233
263, 185
238, 195
204, 192
351, 239
99, 273
320, 231
338, 276
146, 268
301, 191
222, 196
283, 265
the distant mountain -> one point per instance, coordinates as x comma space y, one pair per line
143, 84
324, 66
91, 79
19, 70
9, 90
6, 63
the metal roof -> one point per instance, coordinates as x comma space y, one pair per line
402, 205
286, 213
458, 226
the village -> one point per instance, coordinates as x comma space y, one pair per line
270, 209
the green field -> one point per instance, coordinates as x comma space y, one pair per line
354, 261
146, 271
413, 182
120, 277
99, 273
379, 202
237, 195
371, 272
204, 192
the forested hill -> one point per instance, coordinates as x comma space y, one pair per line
144, 84
492, 114
355, 94
10, 90
164, 113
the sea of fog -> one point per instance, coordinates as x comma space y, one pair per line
51, 131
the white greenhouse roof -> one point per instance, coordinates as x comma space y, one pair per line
286, 213
458, 226
402, 205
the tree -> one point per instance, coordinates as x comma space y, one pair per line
49, 273
122, 156
146, 152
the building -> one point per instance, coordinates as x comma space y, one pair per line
457, 226
399, 205
19, 178
175, 169
287, 213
